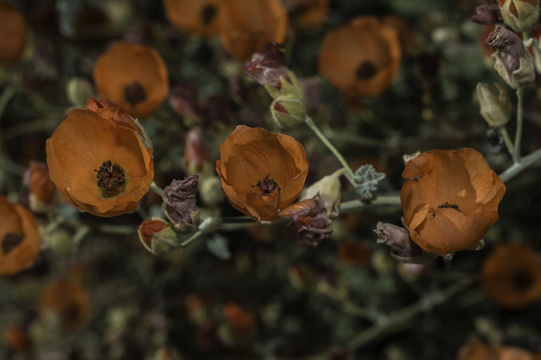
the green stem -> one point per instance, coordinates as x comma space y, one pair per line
518, 133
117, 229
29, 127
312, 125
353, 205
507, 140
518, 167
158, 190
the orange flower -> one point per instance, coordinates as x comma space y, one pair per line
68, 299
100, 162
261, 172
17, 339
132, 76
19, 237
248, 25
198, 17
450, 199
310, 13
480, 351
13, 34
511, 275
240, 321
407, 37
362, 57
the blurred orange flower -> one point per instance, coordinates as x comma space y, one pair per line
240, 321
511, 275
68, 299
261, 172
19, 237
13, 34
132, 76
310, 13
361, 58
41, 187
194, 16
450, 199
247, 25
102, 165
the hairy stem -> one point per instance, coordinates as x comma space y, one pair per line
518, 133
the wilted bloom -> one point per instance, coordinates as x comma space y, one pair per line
132, 76
494, 103
268, 65
519, 14
13, 34
41, 187
179, 203
248, 25
194, 16
511, 60
309, 13
101, 161
398, 240
488, 13
157, 236
19, 237
240, 321
361, 58
309, 221
329, 190
196, 154
511, 275
450, 199
67, 299
261, 172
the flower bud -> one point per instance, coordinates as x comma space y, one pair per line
179, 203
288, 108
524, 75
42, 189
519, 14
157, 236
196, 155
494, 103
78, 90
488, 13
210, 189
268, 66
401, 246
329, 190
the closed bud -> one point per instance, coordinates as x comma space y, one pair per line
494, 103
329, 190
196, 155
157, 236
42, 189
210, 190
520, 15
78, 90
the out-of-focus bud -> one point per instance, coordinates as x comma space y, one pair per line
268, 66
179, 204
78, 90
196, 155
329, 190
241, 322
354, 253
183, 99
210, 190
288, 108
157, 236
198, 309
494, 103
488, 13
301, 277
17, 339
42, 189
309, 223
167, 353
519, 14
511, 60
402, 248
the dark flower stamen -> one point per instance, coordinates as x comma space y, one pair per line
523, 280
267, 185
135, 93
10, 242
208, 14
111, 178
446, 205
366, 70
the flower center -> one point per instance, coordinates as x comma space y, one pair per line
10, 242
135, 93
366, 70
446, 205
208, 13
266, 185
111, 179
523, 280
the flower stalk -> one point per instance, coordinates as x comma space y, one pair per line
518, 134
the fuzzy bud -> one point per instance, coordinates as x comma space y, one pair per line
519, 14
494, 103
157, 236
210, 190
179, 203
78, 90
329, 190
288, 108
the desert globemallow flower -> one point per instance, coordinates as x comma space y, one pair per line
19, 237
200, 17
100, 160
261, 172
450, 200
132, 76
13, 34
247, 25
361, 58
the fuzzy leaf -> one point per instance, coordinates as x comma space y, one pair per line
367, 180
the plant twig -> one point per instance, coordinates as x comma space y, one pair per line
517, 168
158, 190
518, 133
507, 140
353, 205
